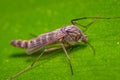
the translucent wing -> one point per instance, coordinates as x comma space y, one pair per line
35, 48
42, 41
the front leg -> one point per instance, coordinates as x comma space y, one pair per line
68, 58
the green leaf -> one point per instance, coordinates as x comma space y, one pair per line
20, 18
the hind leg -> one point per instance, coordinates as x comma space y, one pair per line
31, 65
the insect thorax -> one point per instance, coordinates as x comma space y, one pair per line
73, 34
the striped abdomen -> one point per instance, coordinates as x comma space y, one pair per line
41, 41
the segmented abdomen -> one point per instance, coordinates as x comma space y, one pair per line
40, 41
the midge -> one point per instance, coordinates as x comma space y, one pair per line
69, 35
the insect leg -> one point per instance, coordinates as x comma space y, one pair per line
85, 26
68, 58
30, 66
107, 18
73, 21
46, 50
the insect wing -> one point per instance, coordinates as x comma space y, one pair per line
53, 37
35, 48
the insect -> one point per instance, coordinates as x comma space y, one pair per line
69, 35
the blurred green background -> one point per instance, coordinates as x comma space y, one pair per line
20, 18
